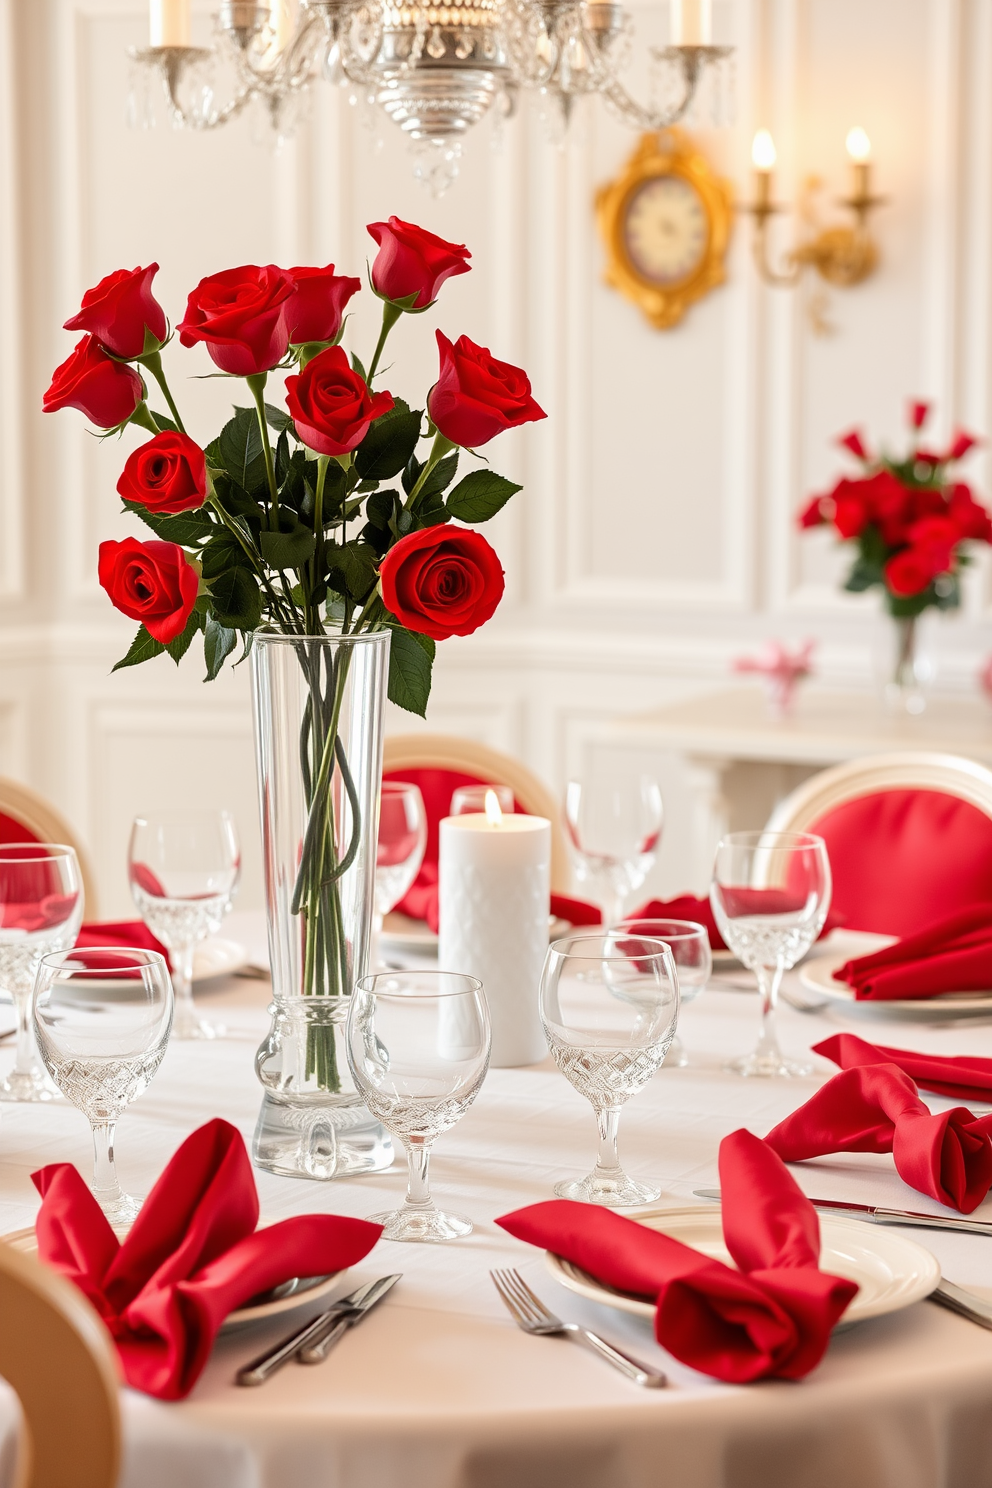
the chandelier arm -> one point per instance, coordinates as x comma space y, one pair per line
637, 113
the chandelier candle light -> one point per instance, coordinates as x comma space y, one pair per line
495, 898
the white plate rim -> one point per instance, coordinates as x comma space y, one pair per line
234, 957
818, 976
26, 1242
927, 1276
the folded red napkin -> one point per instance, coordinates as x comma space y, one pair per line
876, 1108
685, 907
770, 1318
953, 955
969, 1079
125, 933
192, 1255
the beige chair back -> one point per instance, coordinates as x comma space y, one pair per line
910, 770
59, 1359
47, 825
447, 752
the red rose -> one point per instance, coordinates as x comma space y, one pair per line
151, 582
241, 317
476, 397
969, 515
107, 392
936, 538
960, 445
854, 443
442, 581
852, 509
316, 307
819, 510
908, 572
331, 405
119, 310
168, 474
918, 413
412, 260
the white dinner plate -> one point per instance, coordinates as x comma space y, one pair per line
399, 933
291, 1294
818, 977
218, 957
890, 1270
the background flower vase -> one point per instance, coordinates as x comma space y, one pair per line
317, 704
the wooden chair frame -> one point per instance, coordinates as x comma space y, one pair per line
45, 823
446, 752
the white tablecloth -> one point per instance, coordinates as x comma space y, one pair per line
438, 1389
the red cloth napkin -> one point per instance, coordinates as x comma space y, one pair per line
953, 955
685, 907
191, 1257
421, 903
771, 1318
876, 1108
125, 933
969, 1079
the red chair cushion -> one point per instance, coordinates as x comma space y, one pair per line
902, 859
12, 830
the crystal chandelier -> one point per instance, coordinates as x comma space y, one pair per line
435, 69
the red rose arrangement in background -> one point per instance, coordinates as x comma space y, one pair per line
908, 520
441, 583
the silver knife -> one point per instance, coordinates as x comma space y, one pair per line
319, 1345
967, 1304
877, 1215
259, 1370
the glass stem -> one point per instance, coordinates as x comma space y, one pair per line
182, 984
106, 1188
418, 1188
769, 981
608, 1121
26, 1061
612, 906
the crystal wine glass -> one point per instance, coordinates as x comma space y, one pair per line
401, 844
471, 799
614, 831
609, 1005
770, 896
184, 868
41, 909
102, 1017
418, 1046
689, 943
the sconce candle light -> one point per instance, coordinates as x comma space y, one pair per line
842, 255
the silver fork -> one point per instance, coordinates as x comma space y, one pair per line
530, 1313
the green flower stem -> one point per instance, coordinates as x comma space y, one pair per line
318, 520
439, 449
256, 383
142, 416
153, 361
390, 315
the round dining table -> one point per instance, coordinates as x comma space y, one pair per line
439, 1389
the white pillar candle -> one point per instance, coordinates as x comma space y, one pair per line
495, 896
168, 23
692, 22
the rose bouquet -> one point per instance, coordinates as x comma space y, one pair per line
909, 520
341, 513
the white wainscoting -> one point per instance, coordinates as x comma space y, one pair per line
655, 536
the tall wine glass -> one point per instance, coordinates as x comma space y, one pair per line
609, 1005
770, 896
614, 831
689, 943
471, 799
41, 909
102, 1017
184, 868
400, 847
418, 1046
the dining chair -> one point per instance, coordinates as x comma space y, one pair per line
909, 837
58, 1358
440, 763
27, 817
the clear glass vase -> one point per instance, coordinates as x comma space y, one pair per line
905, 665
318, 704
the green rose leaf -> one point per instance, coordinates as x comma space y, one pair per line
390, 442
480, 495
290, 547
278, 419
237, 603
180, 644
240, 450
188, 529
409, 684
353, 569
218, 643
142, 648
223, 552
439, 479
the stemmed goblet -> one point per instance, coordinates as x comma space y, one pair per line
689, 943
102, 1017
609, 1005
400, 846
614, 831
770, 896
184, 867
471, 799
41, 909
418, 1046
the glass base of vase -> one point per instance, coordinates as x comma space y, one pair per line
317, 1140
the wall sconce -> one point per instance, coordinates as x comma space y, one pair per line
843, 255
